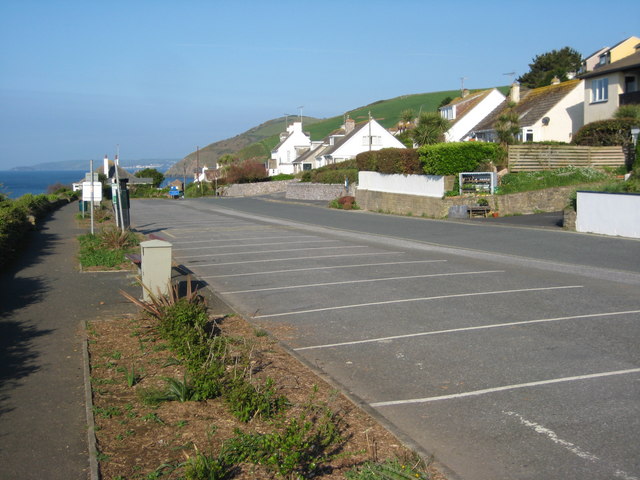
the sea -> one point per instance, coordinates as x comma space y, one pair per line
15, 183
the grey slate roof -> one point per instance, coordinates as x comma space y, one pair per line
533, 105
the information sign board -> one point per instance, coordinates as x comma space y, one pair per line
87, 191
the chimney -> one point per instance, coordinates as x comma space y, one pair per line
106, 166
349, 125
555, 81
465, 92
514, 95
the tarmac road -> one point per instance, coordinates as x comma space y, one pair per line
507, 352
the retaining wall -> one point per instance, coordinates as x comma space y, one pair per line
254, 189
548, 200
317, 191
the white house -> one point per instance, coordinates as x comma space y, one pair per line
551, 113
467, 111
293, 143
356, 139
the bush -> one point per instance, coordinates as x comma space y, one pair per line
282, 176
604, 133
246, 171
334, 173
453, 158
403, 161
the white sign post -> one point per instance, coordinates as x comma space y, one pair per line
91, 191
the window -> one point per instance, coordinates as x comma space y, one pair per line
599, 90
375, 140
448, 112
306, 166
528, 135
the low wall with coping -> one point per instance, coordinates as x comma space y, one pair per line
317, 191
423, 185
548, 200
254, 189
616, 214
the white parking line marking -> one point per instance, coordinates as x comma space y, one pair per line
419, 299
309, 285
287, 259
517, 386
253, 245
321, 268
467, 329
247, 238
269, 251
573, 448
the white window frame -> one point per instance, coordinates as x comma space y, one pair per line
599, 90
448, 113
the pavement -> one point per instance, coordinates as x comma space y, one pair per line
44, 302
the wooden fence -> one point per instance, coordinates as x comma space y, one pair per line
529, 158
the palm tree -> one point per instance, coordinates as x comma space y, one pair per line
430, 129
507, 125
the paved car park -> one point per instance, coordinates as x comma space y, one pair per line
503, 366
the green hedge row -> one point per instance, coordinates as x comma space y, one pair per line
334, 173
438, 159
15, 219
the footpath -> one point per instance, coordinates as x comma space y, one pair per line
44, 302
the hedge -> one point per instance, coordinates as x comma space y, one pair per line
334, 173
453, 158
605, 133
390, 160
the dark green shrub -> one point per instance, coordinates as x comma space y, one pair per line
282, 176
603, 133
403, 161
453, 158
247, 401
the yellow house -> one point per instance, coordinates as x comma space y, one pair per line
618, 51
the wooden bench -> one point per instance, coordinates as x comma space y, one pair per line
478, 211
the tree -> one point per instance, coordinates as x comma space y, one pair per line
430, 128
556, 63
155, 175
507, 125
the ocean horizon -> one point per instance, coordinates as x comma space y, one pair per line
16, 183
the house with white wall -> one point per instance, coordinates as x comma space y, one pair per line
356, 139
609, 86
467, 111
292, 144
551, 113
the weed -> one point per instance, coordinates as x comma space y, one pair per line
152, 397
179, 390
153, 417
203, 467
108, 412
260, 333
181, 423
390, 469
101, 457
131, 376
299, 447
247, 401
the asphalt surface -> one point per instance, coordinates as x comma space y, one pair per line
505, 351
44, 302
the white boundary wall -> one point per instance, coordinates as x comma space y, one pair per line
609, 214
423, 185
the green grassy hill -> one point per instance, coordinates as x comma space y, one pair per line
259, 141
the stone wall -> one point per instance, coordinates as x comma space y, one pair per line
253, 189
317, 191
548, 200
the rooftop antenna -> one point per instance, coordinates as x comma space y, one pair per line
511, 74
300, 108
462, 79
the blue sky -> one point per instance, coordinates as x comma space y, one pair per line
160, 77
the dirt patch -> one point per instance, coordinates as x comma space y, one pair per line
136, 441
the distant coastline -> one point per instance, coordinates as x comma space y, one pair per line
160, 164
